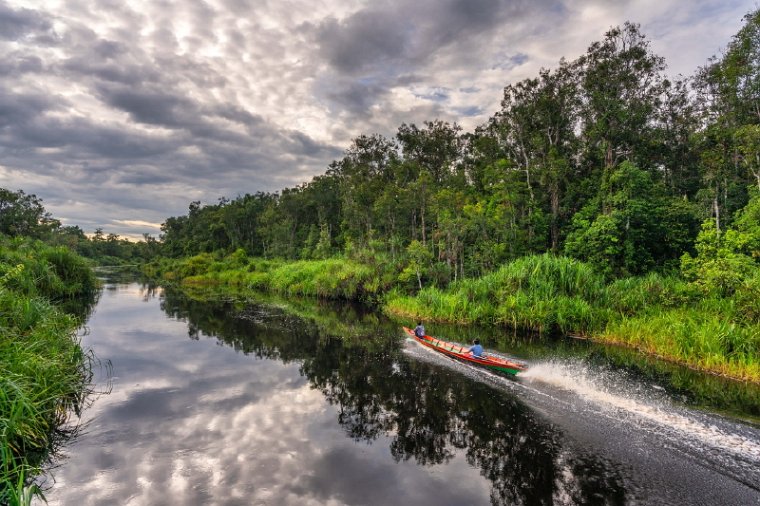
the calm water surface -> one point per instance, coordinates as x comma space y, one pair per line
230, 403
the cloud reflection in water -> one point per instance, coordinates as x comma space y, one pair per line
190, 422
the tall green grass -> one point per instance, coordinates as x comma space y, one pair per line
630, 296
545, 294
695, 337
44, 373
540, 293
336, 278
658, 315
33, 268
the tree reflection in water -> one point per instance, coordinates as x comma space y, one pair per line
429, 413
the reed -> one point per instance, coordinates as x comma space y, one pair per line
695, 336
541, 293
331, 278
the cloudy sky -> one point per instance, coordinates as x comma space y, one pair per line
119, 114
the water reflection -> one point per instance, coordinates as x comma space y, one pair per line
429, 414
324, 403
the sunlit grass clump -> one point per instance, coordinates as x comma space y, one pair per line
541, 293
336, 278
694, 336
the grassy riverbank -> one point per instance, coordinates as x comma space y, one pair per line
657, 315
663, 316
334, 278
44, 372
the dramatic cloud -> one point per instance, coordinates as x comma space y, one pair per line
118, 114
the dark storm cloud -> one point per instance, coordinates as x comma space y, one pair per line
17, 24
108, 49
81, 138
148, 106
302, 144
371, 49
20, 64
89, 68
457, 19
20, 108
143, 176
405, 35
238, 115
355, 95
366, 39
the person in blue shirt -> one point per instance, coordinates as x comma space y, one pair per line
476, 349
419, 330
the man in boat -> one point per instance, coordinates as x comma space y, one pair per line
419, 330
476, 349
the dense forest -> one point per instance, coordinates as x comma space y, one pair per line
604, 159
604, 199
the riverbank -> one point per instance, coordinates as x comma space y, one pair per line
661, 316
44, 372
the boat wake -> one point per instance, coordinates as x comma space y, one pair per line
614, 391
559, 388
730, 444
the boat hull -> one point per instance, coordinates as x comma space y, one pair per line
461, 353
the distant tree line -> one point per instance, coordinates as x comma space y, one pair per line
604, 159
24, 215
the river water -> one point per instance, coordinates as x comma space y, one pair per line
215, 402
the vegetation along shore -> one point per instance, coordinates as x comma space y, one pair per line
604, 199
44, 372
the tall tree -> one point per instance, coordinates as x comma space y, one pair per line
629, 229
536, 127
729, 91
433, 154
364, 170
623, 83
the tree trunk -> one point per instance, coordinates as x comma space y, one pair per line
422, 219
555, 216
716, 210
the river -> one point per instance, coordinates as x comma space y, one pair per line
223, 402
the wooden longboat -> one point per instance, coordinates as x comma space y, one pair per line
459, 352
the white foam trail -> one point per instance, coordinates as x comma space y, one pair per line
607, 390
